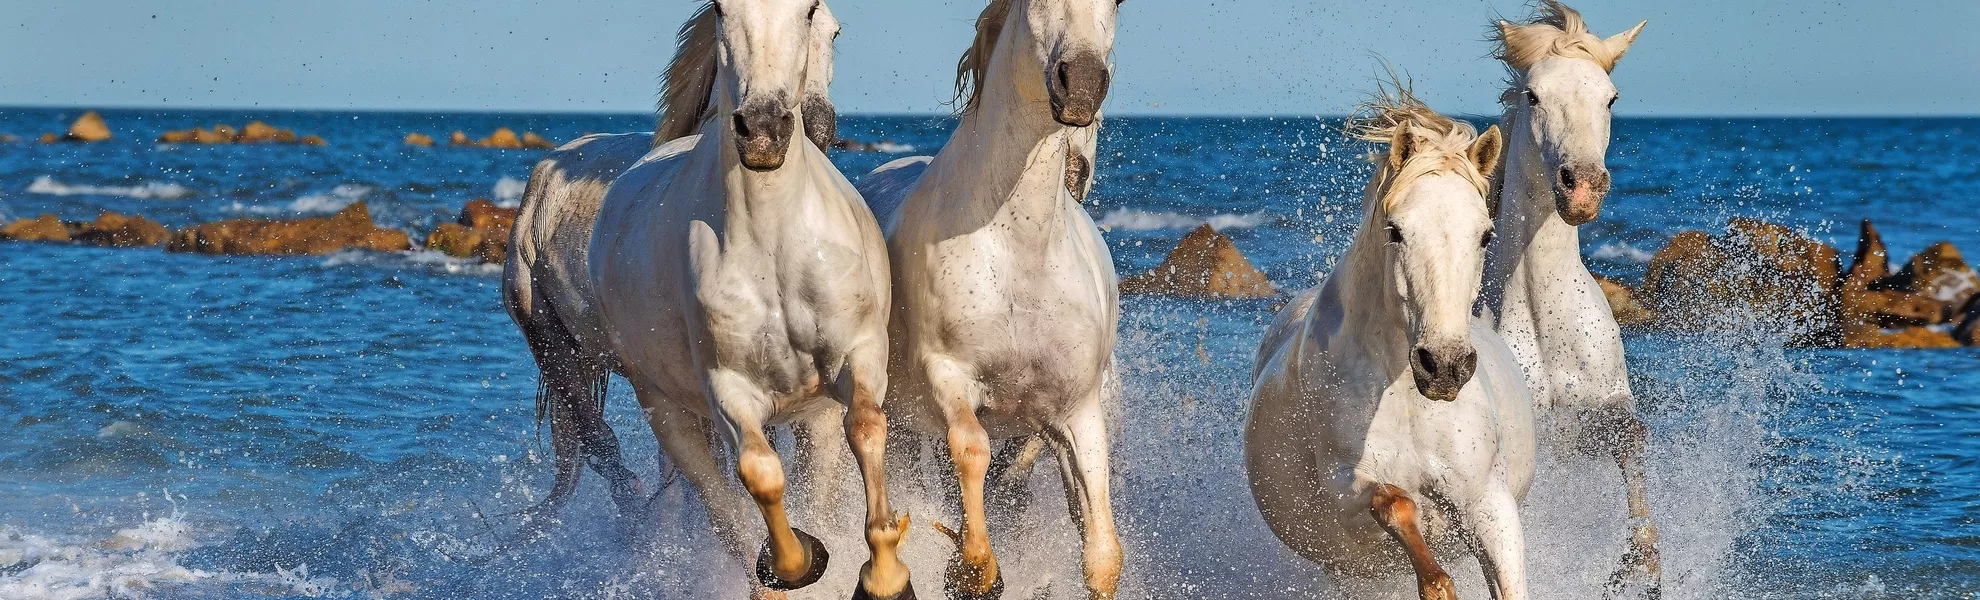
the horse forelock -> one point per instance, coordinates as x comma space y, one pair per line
1554, 31
690, 77
1439, 144
975, 62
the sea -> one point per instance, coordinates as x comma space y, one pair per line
362, 425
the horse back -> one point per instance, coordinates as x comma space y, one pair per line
886, 189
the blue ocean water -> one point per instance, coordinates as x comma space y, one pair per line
360, 425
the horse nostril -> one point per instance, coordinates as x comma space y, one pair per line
1065, 75
742, 125
1427, 361
1567, 178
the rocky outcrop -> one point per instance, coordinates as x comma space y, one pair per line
45, 228
123, 231
1629, 312
419, 140
1755, 272
480, 232
349, 228
1912, 308
1206, 264
255, 132
88, 128
502, 139
533, 141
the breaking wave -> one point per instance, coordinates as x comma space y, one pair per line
1623, 252
149, 190
508, 192
1135, 219
323, 202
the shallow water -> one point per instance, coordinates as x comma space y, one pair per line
359, 425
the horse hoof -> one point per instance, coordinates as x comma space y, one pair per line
996, 591
906, 593
815, 557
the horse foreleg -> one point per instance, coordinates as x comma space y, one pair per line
972, 575
1626, 438
690, 446
1397, 514
1495, 530
1081, 442
791, 559
820, 458
600, 446
884, 576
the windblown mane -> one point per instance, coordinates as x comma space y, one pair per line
975, 63
690, 78
1555, 31
1439, 144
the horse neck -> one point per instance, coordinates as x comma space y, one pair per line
1531, 237
1007, 155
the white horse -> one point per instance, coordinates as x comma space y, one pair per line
1548, 306
546, 286
743, 282
1377, 398
1005, 295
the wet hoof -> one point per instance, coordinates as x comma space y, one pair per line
815, 556
996, 591
906, 593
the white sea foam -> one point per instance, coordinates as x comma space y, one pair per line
149, 190
509, 192
1622, 251
426, 259
136, 562
331, 201
1135, 219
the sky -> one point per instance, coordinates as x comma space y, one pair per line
1172, 57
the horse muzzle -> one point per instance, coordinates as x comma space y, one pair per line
1441, 372
1579, 191
763, 134
1078, 85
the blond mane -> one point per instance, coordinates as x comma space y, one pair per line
1555, 31
1437, 144
975, 62
690, 78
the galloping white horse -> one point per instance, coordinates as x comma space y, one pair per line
546, 286
1549, 308
1005, 294
1377, 397
742, 281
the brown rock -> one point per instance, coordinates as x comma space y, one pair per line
503, 138
112, 229
313, 140
88, 128
1206, 264
257, 132
181, 136
1623, 304
479, 213
219, 134
454, 239
1938, 273
481, 231
50, 138
459, 139
1906, 337
349, 228
419, 139
45, 228
536, 142
1756, 270
1867, 301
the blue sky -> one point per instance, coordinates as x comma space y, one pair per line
1196, 57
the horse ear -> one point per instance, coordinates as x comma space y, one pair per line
1485, 150
1619, 43
1505, 29
1401, 147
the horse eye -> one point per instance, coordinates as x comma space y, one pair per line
1485, 240
1395, 235
814, 12
1532, 99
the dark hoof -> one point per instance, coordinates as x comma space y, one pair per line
906, 593
996, 591
815, 556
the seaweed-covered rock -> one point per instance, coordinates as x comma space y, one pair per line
1206, 264
124, 231
349, 228
481, 232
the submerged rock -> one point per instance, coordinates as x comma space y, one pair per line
112, 229
45, 228
420, 140
1757, 270
1206, 264
349, 228
531, 140
481, 232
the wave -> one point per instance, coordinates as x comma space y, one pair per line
149, 190
1135, 219
426, 259
324, 202
1622, 252
509, 192
136, 562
